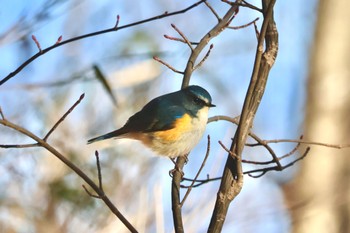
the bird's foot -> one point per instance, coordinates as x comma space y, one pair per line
176, 169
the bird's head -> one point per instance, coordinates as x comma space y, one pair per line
196, 98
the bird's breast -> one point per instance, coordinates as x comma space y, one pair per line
181, 139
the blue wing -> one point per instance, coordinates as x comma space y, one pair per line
159, 114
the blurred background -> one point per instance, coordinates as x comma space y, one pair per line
307, 93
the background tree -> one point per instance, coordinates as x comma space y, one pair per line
319, 195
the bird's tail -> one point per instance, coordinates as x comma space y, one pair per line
116, 133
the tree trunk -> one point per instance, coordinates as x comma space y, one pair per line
319, 196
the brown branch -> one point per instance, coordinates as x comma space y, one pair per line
213, 11
113, 29
37, 43
257, 33
263, 171
177, 177
232, 179
90, 194
179, 39
200, 182
2, 114
64, 117
99, 171
175, 194
167, 65
251, 134
336, 146
117, 22
183, 36
72, 166
204, 58
243, 4
199, 171
7, 146
244, 25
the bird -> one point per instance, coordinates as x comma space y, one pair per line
171, 125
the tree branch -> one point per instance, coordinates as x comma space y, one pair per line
72, 166
232, 180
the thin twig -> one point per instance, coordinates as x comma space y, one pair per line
179, 39
213, 11
251, 134
99, 171
263, 171
183, 36
199, 171
167, 65
2, 114
90, 194
200, 182
244, 4
7, 146
276, 168
257, 33
230, 152
244, 25
63, 117
336, 146
37, 43
204, 58
117, 22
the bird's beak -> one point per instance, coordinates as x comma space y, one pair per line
212, 105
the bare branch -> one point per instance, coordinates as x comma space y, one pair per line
99, 171
63, 117
244, 25
2, 114
244, 4
7, 146
179, 39
263, 171
257, 33
183, 36
72, 166
90, 194
37, 43
117, 22
167, 65
213, 11
232, 179
336, 146
199, 171
204, 58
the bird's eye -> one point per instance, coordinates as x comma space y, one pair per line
198, 101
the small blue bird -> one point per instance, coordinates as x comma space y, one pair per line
171, 124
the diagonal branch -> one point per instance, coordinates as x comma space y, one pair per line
64, 117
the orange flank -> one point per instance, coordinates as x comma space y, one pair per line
181, 126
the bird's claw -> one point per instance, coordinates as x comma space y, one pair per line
176, 169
